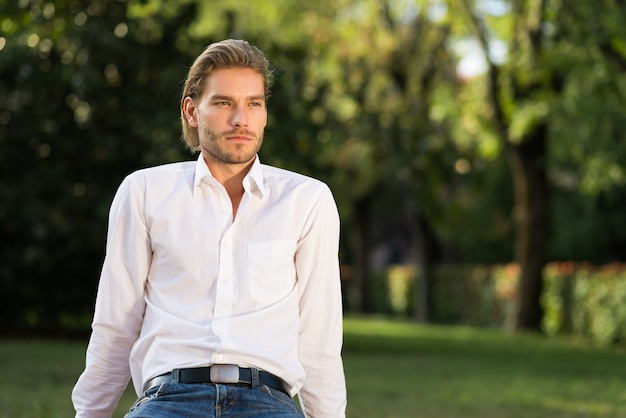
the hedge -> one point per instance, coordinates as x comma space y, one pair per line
578, 299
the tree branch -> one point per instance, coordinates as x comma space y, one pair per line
535, 18
493, 73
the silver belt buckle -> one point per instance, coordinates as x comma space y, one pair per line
224, 373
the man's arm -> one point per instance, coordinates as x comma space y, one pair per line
119, 307
321, 333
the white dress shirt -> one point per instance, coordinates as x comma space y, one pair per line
185, 285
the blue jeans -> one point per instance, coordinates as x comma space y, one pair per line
200, 400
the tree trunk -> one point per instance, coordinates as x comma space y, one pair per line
424, 247
359, 243
528, 165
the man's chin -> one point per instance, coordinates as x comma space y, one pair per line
236, 159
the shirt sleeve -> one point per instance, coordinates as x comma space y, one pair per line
120, 305
323, 394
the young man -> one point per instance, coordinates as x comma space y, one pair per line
220, 292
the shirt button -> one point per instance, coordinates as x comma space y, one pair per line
219, 357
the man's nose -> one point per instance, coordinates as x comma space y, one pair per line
239, 117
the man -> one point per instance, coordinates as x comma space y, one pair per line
219, 293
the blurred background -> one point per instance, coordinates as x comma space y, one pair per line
476, 148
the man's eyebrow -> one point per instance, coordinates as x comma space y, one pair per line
230, 98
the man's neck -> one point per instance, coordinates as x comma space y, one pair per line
231, 177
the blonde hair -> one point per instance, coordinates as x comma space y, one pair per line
230, 53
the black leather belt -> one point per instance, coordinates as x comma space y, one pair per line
229, 374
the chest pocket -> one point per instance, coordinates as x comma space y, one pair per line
271, 270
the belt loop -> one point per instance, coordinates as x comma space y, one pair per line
254, 377
175, 375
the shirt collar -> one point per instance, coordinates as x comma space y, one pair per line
253, 182
201, 172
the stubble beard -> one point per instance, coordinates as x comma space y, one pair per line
210, 142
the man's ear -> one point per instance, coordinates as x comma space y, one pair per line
190, 111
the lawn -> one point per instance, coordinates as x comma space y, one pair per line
399, 369
393, 369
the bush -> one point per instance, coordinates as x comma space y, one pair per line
578, 299
586, 301
462, 294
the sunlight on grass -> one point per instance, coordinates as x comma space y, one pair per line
567, 405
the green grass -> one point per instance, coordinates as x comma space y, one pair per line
393, 369
463, 372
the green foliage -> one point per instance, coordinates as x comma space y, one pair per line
600, 237
578, 299
587, 301
558, 89
367, 99
72, 125
591, 60
473, 295
463, 294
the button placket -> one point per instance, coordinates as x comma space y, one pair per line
225, 280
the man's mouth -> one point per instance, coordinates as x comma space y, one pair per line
239, 137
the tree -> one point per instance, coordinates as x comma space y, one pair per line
367, 99
87, 95
527, 96
376, 132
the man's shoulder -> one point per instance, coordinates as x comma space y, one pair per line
161, 177
180, 166
291, 184
277, 174
164, 170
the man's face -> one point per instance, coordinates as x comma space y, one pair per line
230, 116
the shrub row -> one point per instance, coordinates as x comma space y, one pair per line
578, 298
